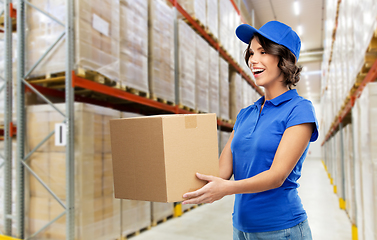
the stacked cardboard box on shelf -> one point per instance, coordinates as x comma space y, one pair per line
134, 44
349, 173
161, 50
202, 74
98, 214
214, 88
224, 89
161, 211
196, 8
224, 137
187, 50
14, 186
96, 37
366, 158
212, 17
235, 94
228, 21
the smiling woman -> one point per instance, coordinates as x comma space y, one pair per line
286, 59
268, 145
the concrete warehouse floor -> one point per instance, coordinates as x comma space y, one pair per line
214, 221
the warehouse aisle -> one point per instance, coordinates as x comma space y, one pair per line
326, 219
213, 221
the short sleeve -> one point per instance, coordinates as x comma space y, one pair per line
239, 119
304, 112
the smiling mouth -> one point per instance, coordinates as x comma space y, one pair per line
257, 71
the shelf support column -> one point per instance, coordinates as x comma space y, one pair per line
69, 104
7, 119
20, 204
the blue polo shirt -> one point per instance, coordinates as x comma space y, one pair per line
256, 139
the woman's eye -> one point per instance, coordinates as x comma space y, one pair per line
263, 52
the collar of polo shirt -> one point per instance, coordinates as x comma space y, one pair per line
288, 95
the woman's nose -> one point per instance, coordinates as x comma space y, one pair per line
252, 61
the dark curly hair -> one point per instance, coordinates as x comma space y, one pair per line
287, 60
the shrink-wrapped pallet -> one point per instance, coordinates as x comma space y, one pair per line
187, 67
228, 22
247, 94
13, 183
212, 18
97, 212
201, 73
349, 173
161, 211
136, 215
134, 44
196, 8
365, 156
161, 50
224, 89
214, 88
235, 94
96, 26
356, 122
224, 139
14, 77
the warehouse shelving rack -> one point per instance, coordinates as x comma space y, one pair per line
72, 80
22, 157
8, 130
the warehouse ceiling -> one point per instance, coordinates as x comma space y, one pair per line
306, 17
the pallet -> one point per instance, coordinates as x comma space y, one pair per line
189, 209
137, 92
181, 106
136, 233
156, 222
95, 76
211, 35
161, 100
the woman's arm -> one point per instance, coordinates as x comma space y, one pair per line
292, 145
226, 160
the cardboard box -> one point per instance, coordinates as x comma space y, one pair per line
155, 158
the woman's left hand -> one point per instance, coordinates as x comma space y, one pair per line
214, 190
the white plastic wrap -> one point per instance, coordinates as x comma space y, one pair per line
224, 137
134, 44
14, 185
187, 64
212, 17
235, 95
160, 211
196, 8
14, 77
224, 89
214, 87
161, 50
202, 74
96, 37
98, 214
228, 22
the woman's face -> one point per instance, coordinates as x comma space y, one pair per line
264, 66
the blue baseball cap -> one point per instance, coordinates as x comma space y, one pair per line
275, 31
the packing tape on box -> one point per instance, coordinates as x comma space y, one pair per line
191, 121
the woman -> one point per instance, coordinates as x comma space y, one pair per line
269, 143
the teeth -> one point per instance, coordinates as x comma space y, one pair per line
257, 70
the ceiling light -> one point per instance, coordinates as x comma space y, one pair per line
296, 7
299, 30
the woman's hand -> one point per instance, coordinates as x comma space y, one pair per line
214, 190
